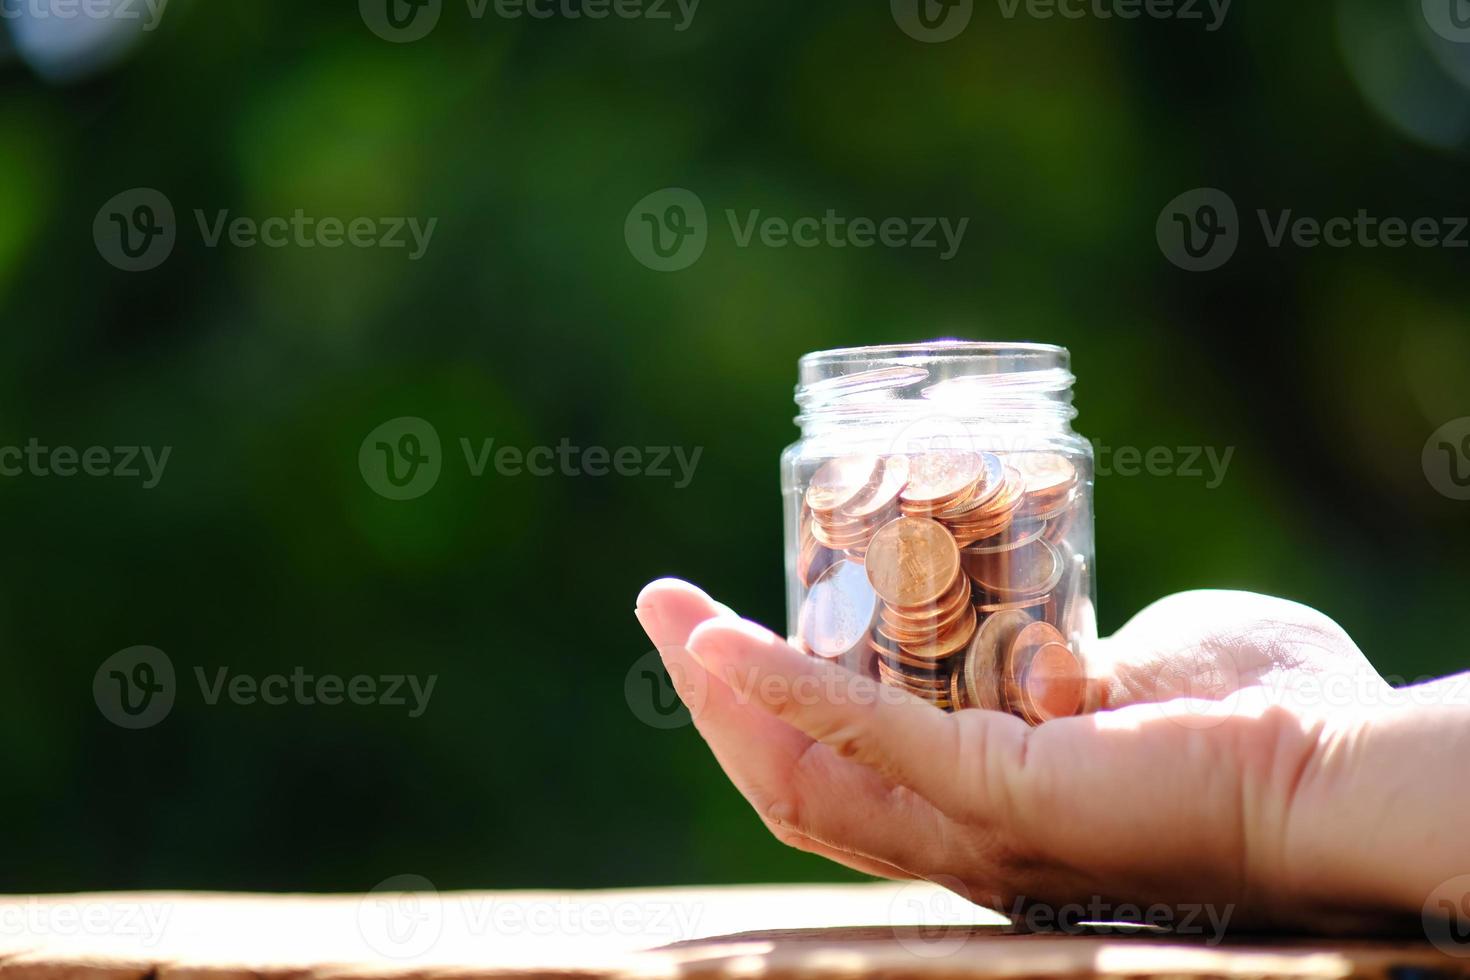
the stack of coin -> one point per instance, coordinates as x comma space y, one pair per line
1020, 665
974, 495
947, 575
812, 558
851, 497
1051, 487
925, 616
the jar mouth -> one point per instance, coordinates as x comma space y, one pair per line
948, 347
982, 382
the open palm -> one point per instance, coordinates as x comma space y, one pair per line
1200, 780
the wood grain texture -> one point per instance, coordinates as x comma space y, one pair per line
799, 932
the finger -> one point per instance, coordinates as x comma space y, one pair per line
963, 763
785, 776
1208, 644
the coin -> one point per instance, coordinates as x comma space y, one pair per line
984, 661
882, 494
946, 644
1046, 474
992, 477
839, 481
1053, 685
1018, 658
1014, 536
1032, 570
936, 479
838, 611
912, 561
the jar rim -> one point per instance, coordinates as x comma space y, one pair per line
932, 347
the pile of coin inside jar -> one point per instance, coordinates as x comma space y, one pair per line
947, 575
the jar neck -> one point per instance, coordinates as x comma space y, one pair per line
914, 396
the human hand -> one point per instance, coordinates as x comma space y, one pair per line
1207, 777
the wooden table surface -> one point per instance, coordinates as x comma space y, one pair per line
794, 931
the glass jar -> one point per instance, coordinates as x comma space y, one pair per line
939, 524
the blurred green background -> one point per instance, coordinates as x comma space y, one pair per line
529, 321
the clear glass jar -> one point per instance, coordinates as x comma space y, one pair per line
939, 524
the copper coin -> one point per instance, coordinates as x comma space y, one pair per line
1030, 639
838, 611
1015, 535
992, 478
838, 481
912, 561
953, 595
1046, 473
957, 690
812, 560
882, 494
1052, 685
984, 663
946, 616
938, 478
948, 643
1028, 571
